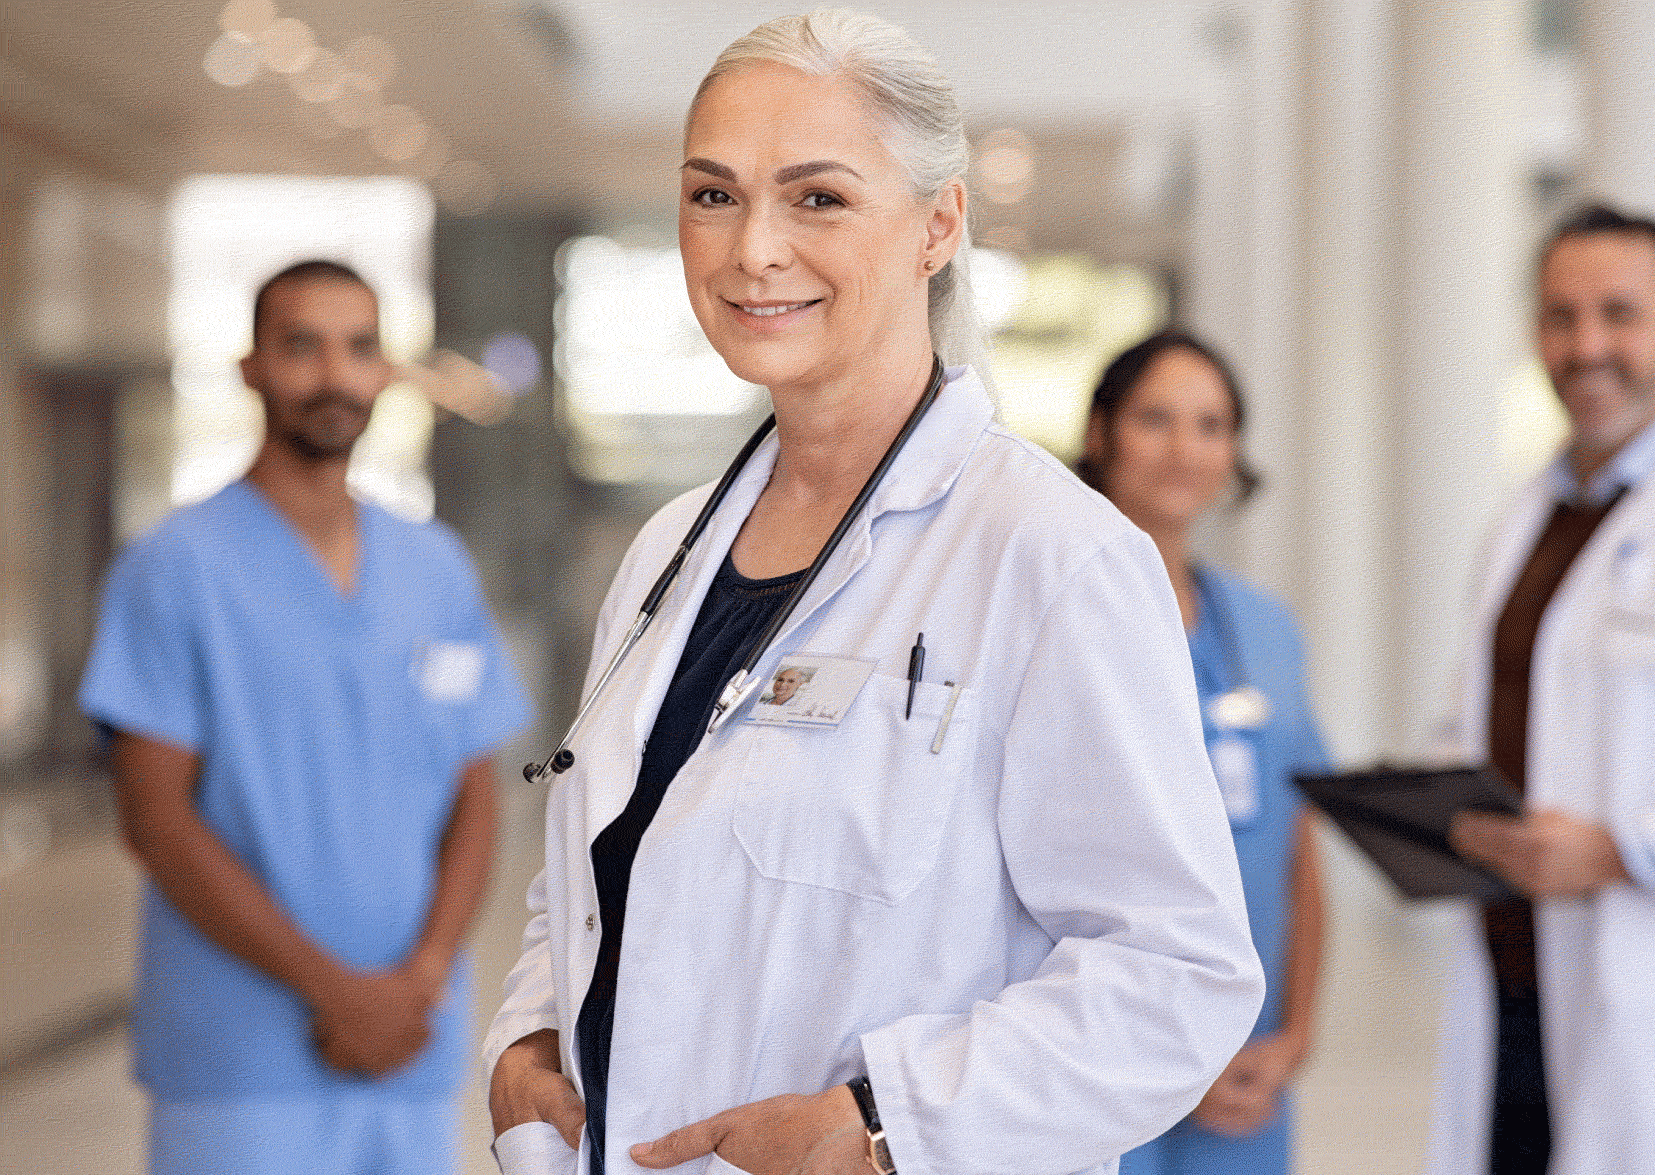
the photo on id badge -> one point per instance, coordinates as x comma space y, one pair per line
810, 691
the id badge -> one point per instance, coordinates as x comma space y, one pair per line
1235, 766
808, 690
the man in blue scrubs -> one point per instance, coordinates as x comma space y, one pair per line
303, 692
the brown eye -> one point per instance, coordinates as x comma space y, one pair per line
711, 197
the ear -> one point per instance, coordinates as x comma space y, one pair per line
248, 366
944, 228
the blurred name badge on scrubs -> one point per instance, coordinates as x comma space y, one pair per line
449, 671
1235, 766
807, 690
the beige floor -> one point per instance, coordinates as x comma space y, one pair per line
65, 930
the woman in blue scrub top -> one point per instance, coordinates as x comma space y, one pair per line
1163, 443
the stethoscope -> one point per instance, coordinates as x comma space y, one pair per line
736, 691
1244, 706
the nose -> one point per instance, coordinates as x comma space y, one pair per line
1183, 440
1589, 340
340, 369
761, 242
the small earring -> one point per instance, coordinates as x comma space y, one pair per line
929, 266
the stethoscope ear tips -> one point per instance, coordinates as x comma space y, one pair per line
557, 765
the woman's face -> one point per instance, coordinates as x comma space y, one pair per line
785, 686
1175, 442
804, 244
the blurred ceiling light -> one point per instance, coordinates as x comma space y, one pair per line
465, 188
247, 17
429, 162
232, 60
288, 45
371, 57
1005, 166
513, 359
357, 102
397, 133
319, 81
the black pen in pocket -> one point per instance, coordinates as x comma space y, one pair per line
916, 667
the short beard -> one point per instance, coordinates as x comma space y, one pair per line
319, 444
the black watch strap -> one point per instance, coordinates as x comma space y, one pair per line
879, 1154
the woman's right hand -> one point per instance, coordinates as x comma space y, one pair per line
529, 1086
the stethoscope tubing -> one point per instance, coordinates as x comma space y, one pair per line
561, 759
738, 686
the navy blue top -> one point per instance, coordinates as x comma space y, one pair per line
732, 616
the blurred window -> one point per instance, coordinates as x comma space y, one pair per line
229, 233
1073, 316
646, 398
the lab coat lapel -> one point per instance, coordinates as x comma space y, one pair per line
922, 473
1567, 657
1459, 1144
649, 672
1595, 956
1510, 551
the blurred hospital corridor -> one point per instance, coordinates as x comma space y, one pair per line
1343, 196
68, 1105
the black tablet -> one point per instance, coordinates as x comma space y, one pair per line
1400, 818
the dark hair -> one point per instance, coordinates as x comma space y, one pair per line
1122, 377
1589, 220
316, 269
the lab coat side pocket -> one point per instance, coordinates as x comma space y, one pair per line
861, 807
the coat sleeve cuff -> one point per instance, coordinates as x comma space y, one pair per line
533, 1148
897, 1114
506, 1031
1634, 838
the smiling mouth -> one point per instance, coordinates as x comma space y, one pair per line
770, 311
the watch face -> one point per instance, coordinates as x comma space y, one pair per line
880, 1155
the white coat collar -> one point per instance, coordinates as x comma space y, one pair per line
1632, 466
923, 472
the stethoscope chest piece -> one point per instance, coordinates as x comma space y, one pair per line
1245, 708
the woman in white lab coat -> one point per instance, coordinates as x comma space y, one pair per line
971, 857
1591, 754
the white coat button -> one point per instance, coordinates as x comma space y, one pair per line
591, 921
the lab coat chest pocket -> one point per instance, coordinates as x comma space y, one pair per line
861, 808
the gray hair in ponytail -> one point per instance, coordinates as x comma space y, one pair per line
925, 132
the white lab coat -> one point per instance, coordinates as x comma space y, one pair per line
1591, 752
1033, 942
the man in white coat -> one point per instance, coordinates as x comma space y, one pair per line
1549, 1050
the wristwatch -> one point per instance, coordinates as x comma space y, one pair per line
879, 1154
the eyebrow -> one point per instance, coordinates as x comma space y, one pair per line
791, 174
801, 171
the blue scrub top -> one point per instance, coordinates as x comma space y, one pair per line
1244, 637
331, 731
